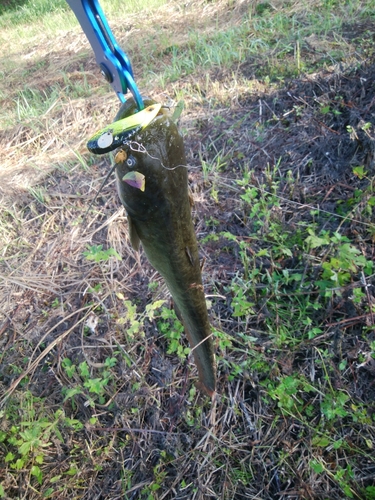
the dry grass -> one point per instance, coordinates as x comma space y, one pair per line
147, 433
59, 67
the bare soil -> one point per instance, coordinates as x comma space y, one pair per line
143, 426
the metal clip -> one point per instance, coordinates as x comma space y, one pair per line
113, 62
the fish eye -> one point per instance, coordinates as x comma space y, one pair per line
131, 161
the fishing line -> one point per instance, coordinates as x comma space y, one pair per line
143, 150
97, 194
137, 148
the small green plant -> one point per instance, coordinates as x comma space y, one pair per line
97, 254
342, 475
333, 405
38, 193
359, 172
212, 168
289, 394
240, 303
27, 439
166, 319
159, 475
132, 319
82, 377
341, 261
172, 329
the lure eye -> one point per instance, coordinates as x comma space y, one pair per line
131, 162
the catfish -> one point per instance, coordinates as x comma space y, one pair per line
152, 183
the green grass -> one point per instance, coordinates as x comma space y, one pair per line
95, 377
53, 13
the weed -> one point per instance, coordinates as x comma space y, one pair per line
212, 168
38, 193
288, 243
172, 329
31, 103
241, 306
339, 265
27, 439
83, 379
97, 254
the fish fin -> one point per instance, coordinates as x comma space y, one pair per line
189, 255
204, 388
133, 235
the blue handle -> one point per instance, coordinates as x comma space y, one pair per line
113, 62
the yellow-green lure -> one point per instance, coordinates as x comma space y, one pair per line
117, 133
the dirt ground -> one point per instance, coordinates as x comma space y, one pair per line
315, 125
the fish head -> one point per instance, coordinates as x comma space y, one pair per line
151, 171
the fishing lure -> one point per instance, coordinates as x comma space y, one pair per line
116, 134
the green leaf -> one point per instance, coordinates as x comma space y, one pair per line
369, 443
68, 367
347, 490
151, 308
69, 393
366, 126
178, 110
110, 362
92, 252
321, 441
72, 471
316, 466
72, 422
359, 172
25, 448
19, 464
55, 479
315, 241
112, 252
134, 328
370, 492
314, 332
84, 369
342, 364
35, 471
9, 457
337, 444
96, 385
97, 254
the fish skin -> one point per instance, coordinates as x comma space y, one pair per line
160, 218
